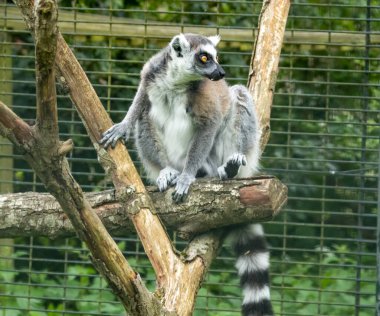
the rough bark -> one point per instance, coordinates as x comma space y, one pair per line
265, 57
213, 204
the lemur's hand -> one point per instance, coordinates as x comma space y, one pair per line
112, 135
166, 178
183, 182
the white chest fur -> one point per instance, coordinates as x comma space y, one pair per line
173, 125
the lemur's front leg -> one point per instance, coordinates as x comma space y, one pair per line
123, 130
196, 156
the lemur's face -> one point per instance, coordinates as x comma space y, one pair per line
198, 55
206, 63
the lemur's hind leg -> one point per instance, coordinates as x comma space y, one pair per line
247, 137
231, 167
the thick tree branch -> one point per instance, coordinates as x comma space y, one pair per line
214, 204
14, 128
265, 58
46, 13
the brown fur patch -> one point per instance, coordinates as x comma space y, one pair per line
211, 100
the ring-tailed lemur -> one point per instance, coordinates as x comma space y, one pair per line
189, 123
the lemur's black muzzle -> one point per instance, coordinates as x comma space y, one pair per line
217, 74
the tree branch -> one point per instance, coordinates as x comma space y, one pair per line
265, 57
46, 13
14, 128
214, 204
119, 165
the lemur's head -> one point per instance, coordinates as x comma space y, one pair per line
197, 54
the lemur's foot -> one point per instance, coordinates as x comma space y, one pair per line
183, 183
231, 167
166, 178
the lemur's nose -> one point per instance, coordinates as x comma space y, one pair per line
217, 74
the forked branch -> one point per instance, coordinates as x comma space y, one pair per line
44, 152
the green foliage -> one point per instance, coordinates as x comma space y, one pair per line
326, 289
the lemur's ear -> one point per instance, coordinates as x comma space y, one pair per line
180, 44
214, 39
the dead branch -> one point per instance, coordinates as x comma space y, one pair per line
46, 30
265, 57
14, 128
213, 204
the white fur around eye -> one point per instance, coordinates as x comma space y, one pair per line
209, 49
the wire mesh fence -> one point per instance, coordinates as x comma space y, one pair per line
324, 145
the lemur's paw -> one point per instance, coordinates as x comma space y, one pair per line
183, 183
166, 178
231, 167
113, 134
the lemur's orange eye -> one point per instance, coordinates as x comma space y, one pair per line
204, 59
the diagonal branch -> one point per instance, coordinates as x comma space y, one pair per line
14, 128
265, 57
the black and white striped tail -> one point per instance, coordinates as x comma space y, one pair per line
253, 268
